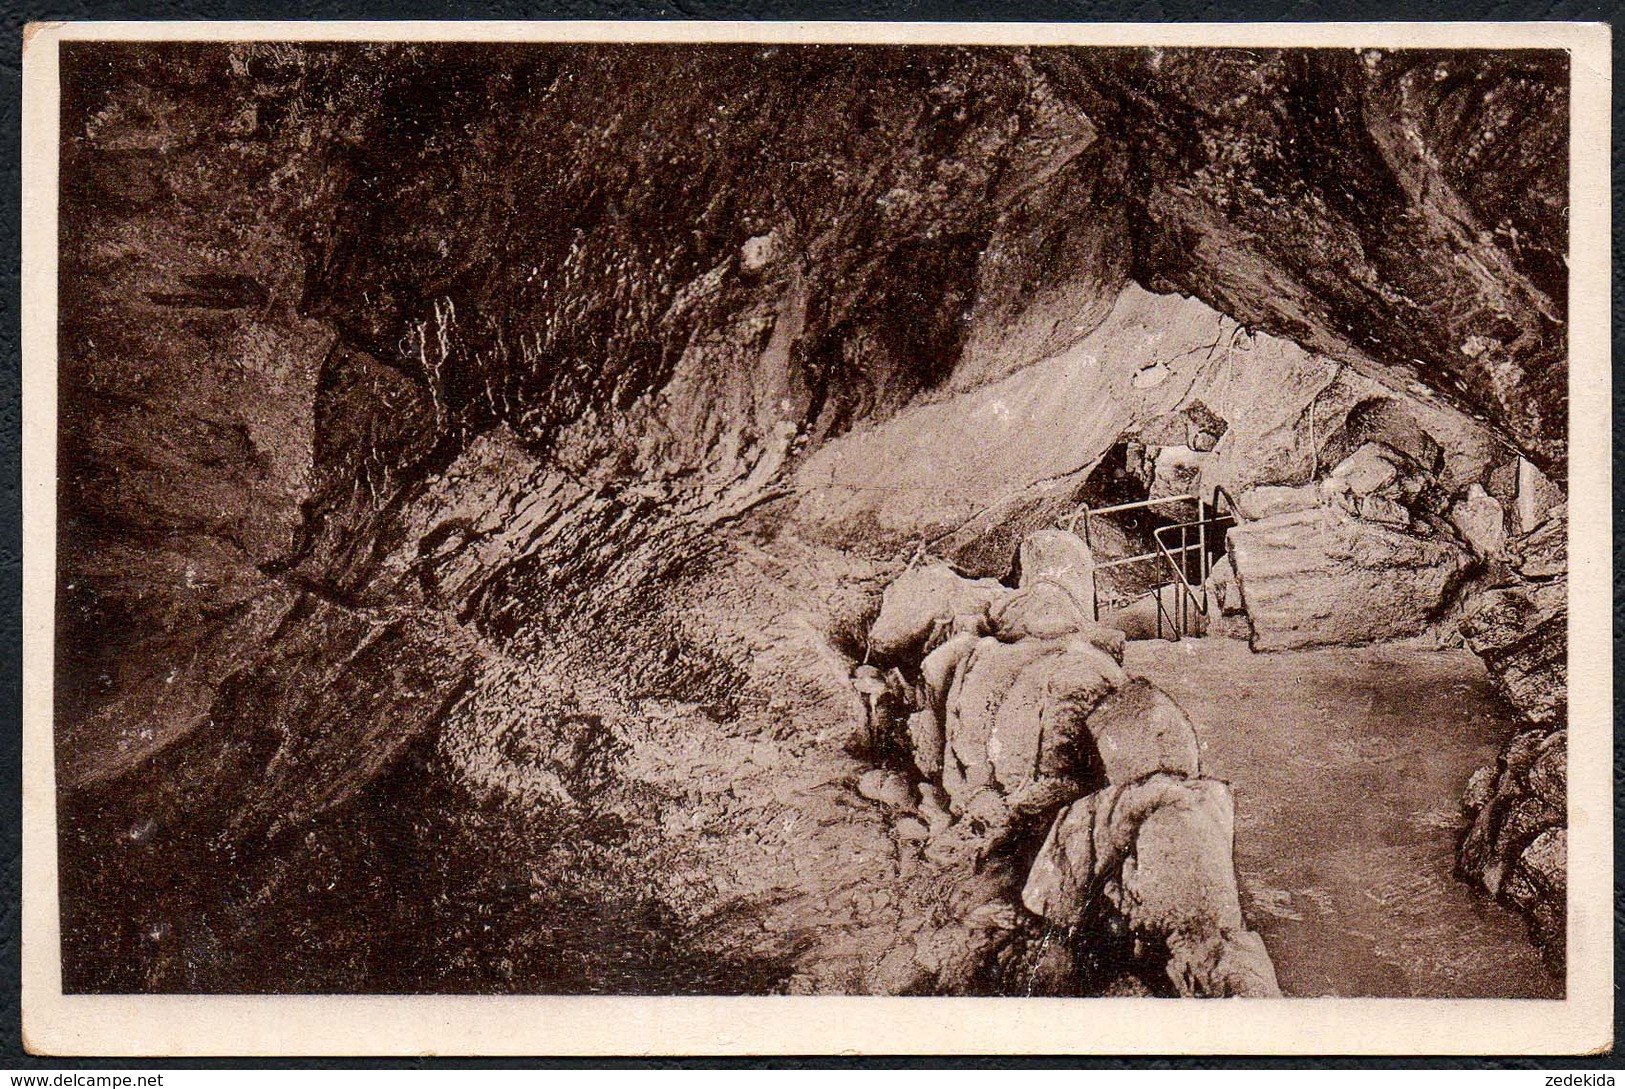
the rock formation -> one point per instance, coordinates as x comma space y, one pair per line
1037, 723
442, 427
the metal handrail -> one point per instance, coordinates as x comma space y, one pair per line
1086, 512
1188, 599
1225, 510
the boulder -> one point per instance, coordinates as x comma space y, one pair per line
1176, 470
1386, 511
1481, 521
1544, 864
1036, 728
1045, 610
1229, 965
924, 601
1272, 499
1367, 471
1310, 578
1058, 557
1521, 632
1180, 877
1089, 840
886, 787
1156, 854
927, 726
981, 684
1138, 729
1537, 495
1017, 710
1544, 553
1076, 682
1393, 425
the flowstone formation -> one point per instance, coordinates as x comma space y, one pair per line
1013, 706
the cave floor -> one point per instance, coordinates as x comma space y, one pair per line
1347, 766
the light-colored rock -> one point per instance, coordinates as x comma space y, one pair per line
937, 669
936, 815
1545, 862
1481, 521
925, 741
933, 796
1058, 557
1224, 591
1047, 611
1138, 729
911, 830
925, 600
1158, 854
1091, 837
1076, 682
1537, 495
1177, 470
1233, 965
1544, 553
981, 684
886, 787
1272, 499
1180, 877
1369, 469
1310, 578
1017, 710
1480, 789
758, 251
1044, 610
1151, 377
927, 727
1384, 511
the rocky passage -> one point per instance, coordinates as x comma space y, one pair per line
482, 470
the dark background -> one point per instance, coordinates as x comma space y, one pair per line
1194, 11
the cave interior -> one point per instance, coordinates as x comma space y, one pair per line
641, 520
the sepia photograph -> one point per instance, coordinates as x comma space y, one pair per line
669, 519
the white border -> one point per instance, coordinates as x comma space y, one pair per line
360, 1025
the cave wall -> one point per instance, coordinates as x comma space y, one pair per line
375, 358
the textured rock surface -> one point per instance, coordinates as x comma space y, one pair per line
1313, 578
1138, 730
1481, 521
418, 436
1516, 847
1521, 632
925, 602
1157, 854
